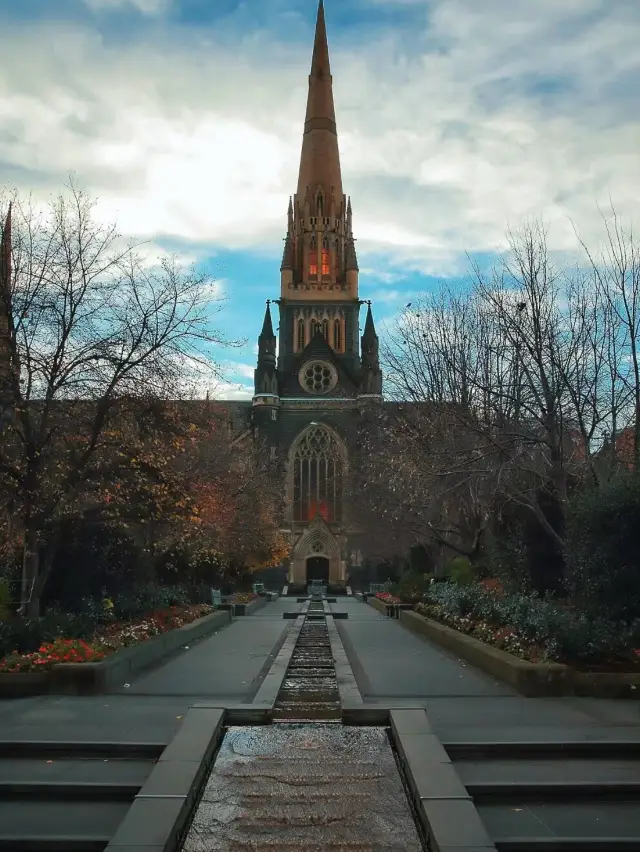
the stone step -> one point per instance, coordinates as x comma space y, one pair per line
560, 821
81, 771
529, 769
309, 672
306, 712
42, 823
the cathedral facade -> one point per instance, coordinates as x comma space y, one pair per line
310, 388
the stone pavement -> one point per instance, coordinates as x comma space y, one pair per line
393, 668
227, 667
396, 668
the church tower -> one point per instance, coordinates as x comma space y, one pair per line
307, 403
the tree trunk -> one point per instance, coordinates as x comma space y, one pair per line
30, 567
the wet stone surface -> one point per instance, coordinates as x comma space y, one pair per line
304, 787
309, 692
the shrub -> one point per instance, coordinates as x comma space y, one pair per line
91, 560
51, 653
27, 634
459, 570
603, 547
149, 598
411, 587
563, 634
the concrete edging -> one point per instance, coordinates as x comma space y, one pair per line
117, 668
530, 679
240, 610
347, 686
381, 606
270, 686
443, 806
161, 812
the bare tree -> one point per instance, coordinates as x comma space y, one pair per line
91, 330
509, 387
616, 279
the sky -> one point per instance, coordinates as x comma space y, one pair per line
456, 120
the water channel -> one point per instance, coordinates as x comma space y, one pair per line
305, 782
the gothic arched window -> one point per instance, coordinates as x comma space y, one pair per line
337, 335
325, 329
317, 476
325, 256
313, 257
300, 335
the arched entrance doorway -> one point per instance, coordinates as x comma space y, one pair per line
318, 569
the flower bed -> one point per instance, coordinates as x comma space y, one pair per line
387, 597
243, 598
107, 640
534, 630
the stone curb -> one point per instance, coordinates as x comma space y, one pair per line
347, 686
159, 816
381, 606
530, 679
270, 686
391, 610
118, 668
444, 807
248, 609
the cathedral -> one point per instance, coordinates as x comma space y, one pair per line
312, 380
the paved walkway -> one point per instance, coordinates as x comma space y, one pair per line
394, 667
226, 667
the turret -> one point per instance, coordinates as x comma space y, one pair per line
9, 364
266, 395
371, 374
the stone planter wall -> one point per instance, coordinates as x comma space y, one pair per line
114, 670
391, 610
530, 679
249, 608
385, 608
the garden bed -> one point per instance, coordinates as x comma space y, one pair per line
529, 678
249, 607
243, 604
385, 608
111, 659
387, 604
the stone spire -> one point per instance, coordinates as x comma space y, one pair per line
267, 335
320, 159
319, 259
265, 375
371, 376
369, 338
5, 257
8, 356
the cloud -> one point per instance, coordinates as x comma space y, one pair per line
244, 370
229, 391
475, 117
146, 7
